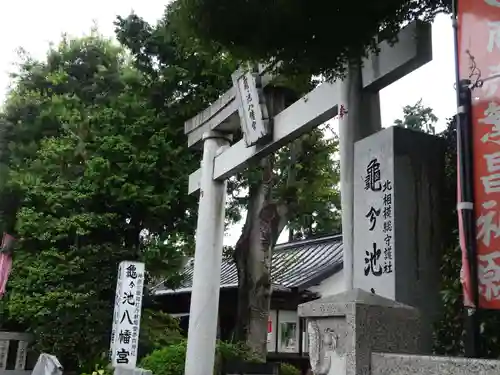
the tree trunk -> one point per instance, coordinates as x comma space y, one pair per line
265, 221
254, 290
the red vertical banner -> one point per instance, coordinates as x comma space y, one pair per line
5, 260
269, 329
479, 60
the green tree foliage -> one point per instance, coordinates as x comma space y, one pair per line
319, 37
183, 76
158, 330
95, 170
297, 186
418, 117
303, 186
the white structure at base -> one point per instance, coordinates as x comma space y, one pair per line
47, 364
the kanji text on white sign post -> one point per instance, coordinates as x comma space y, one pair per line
127, 314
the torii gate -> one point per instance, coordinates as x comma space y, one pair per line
358, 94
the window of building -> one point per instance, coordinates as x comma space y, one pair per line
288, 332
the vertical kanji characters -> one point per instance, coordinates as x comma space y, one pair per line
122, 356
372, 178
378, 257
372, 216
372, 258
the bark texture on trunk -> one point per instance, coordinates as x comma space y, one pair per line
265, 220
252, 255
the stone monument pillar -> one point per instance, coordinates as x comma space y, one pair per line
345, 328
398, 184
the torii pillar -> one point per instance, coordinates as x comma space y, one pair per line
359, 117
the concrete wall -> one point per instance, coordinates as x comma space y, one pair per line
15, 372
399, 364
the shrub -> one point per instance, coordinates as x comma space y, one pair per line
288, 369
158, 330
170, 359
166, 361
100, 370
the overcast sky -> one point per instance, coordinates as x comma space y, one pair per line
33, 24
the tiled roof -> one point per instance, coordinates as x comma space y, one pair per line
299, 264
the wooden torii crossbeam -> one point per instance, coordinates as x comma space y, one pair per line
221, 161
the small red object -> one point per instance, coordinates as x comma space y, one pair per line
5, 261
342, 111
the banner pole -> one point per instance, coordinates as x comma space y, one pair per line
465, 206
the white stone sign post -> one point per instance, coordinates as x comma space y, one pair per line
221, 162
373, 217
127, 314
